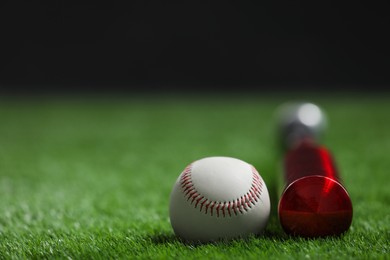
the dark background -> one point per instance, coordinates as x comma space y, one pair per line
147, 45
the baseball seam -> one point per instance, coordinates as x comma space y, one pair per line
221, 208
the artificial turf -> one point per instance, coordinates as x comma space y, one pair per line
91, 177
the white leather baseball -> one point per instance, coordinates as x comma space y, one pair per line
219, 198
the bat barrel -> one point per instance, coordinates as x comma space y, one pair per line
307, 159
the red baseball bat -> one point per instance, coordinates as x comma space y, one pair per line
314, 202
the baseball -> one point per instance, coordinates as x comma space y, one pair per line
218, 198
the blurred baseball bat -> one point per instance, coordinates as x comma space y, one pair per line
313, 202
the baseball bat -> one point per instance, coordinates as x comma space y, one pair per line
313, 201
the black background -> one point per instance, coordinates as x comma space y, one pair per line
142, 45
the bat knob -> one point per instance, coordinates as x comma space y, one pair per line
299, 120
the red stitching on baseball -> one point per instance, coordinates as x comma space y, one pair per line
235, 207
186, 182
207, 206
189, 191
252, 196
201, 204
194, 197
191, 194
238, 206
243, 204
212, 208
246, 200
197, 201
217, 209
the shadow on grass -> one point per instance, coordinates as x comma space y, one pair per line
272, 233
170, 238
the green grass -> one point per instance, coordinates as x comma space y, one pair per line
91, 177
